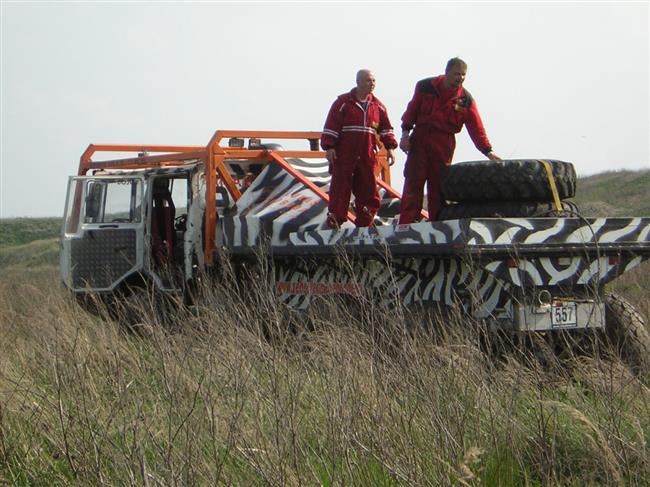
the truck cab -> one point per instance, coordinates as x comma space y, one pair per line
146, 220
123, 227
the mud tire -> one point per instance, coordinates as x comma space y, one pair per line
507, 180
627, 333
508, 209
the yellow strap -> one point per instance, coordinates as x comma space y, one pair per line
551, 182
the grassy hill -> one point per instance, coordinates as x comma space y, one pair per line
32, 254
615, 193
29, 242
19, 231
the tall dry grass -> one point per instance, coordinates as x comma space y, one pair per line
230, 397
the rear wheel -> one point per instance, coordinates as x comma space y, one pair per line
627, 332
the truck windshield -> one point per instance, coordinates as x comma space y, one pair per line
112, 201
105, 200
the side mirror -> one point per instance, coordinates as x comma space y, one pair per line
94, 200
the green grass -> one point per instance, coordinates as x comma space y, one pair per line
619, 193
29, 242
20, 231
33, 254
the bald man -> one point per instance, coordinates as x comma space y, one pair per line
349, 137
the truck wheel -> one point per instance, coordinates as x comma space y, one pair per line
140, 309
508, 209
516, 179
627, 333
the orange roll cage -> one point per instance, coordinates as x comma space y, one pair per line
214, 155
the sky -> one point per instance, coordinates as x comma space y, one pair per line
558, 80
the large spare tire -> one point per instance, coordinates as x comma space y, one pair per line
508, 209
507, 180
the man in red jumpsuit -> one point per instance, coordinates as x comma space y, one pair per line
349, 137
439, 108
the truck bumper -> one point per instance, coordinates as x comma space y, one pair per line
559, 315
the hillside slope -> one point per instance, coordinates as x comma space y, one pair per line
32, 254
19, 231
615, 193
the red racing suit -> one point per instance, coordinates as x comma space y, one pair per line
351, 129
437, 113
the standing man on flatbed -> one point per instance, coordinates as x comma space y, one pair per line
349, 137
439, 108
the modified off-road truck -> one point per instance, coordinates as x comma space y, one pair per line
509, 248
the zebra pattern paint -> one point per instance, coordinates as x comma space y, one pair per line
485, 264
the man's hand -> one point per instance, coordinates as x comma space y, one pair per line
405, 143
330, 155
390, 156
492, 156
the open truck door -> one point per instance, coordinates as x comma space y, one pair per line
102, 232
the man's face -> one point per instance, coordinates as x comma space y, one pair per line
366, 82
456, 76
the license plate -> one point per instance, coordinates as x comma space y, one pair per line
564, 314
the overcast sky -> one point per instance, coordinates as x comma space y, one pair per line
552, 80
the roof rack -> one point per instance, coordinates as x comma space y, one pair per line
214, 155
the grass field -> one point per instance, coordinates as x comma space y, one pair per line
20, 231
349, 402
229, 396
